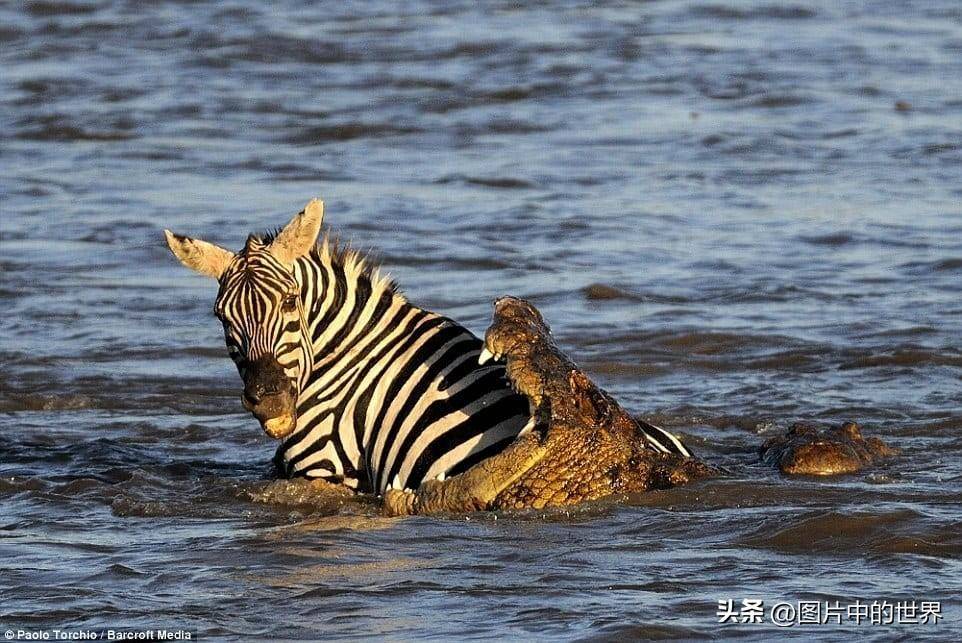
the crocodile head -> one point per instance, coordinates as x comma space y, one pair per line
518, 334
808, 450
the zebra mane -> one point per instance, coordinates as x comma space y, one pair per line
333, 251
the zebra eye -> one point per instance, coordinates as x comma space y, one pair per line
290, 304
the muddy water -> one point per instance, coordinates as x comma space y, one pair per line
734, 215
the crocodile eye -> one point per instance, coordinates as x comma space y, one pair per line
290, 304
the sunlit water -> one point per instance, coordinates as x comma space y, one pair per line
734, 216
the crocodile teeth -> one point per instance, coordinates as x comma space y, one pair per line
440, 477
485, 356
527, 427
396, 483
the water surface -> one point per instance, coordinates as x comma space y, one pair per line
734, 215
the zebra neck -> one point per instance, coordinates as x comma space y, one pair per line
343, 299
346, 349
356, 320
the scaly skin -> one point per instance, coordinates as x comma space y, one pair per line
806, 450
583, 445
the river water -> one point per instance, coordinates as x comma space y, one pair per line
734, 215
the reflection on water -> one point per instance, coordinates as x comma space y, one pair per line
735, 215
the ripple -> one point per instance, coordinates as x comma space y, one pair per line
45, 8
505, 183
54, 402
776, 101
833, 533
952, 264
772, 11
833, 240
347, 132
57, 128
906, 357
604, 292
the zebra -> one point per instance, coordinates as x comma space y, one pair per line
363, 388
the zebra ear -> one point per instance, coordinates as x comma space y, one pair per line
300, 235
203, 257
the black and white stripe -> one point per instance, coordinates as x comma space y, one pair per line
661, 440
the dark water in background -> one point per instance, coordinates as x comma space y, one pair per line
718, 207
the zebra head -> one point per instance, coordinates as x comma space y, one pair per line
262, 308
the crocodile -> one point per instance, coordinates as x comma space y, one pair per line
807, 450
579, 445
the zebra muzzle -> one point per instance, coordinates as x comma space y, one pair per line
269, 395
279, 427
276, 413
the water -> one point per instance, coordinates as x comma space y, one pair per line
734, 215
